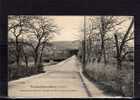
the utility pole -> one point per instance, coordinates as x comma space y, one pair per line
84, 44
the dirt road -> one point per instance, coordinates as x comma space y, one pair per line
61, 80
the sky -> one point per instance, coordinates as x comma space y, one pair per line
69, 27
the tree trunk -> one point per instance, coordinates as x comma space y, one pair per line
104, 52
102, 34
26, 61
25, 57
40, 59
119, 66
17, 52
35, 59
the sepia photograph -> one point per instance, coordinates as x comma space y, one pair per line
70, 56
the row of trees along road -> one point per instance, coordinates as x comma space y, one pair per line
107, 38
33, 32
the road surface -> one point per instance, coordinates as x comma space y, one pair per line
63, 80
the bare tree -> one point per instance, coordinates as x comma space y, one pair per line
42, 28
121, 52
107, 24
17, 27
120, 46
109, 38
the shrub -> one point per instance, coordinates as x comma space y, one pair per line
40, 68
108, 75
15, 72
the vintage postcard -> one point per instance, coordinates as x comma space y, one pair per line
70, 56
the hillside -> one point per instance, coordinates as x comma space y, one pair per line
66, 44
